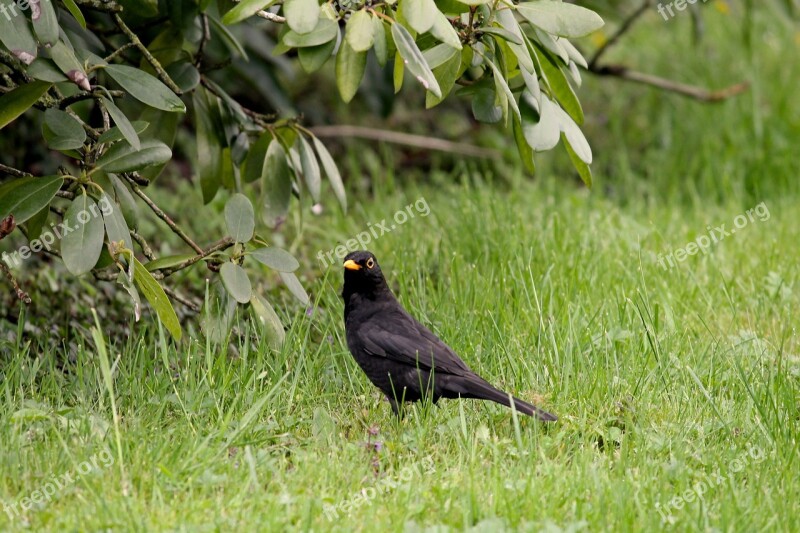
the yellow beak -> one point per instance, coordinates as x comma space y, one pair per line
351, 265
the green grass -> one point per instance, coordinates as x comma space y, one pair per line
662, 378
665, 379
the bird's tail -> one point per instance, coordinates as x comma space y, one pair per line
479, 389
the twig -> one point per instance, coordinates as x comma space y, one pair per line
182, 299
218, 247
623, 29
146, 250
85, 95
163, 216
406, 139
106, 6
14, 172
266, 15
148, 56
691, 91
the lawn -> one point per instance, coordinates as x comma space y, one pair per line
668, 382
674, 369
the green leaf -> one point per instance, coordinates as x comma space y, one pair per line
326, 30
245, 9
46, 70
276, 259
540, 123
524, 149
231, 42
414, 60
16, 102
168, 261
484, 108
82, 235
122, 157
559, 86
240, 218
277, 186
360, 33
26, 197
506, 18
36, 223
146, 88
583, 169
268, 319
76, 12
64, 56
209, 146
419, 14
295, 287
157, 298
379, 38
236, 282
446, 74
440, 54
313, 57
332, 171
502, 33
115, 134
62, 131
301, 15
350, 67
560, 18
45, 21
254, 163
502, 87
124, 198
116, 227
311, 173
16, 35
444, 31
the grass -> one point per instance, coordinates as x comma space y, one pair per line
670, 382
662, 378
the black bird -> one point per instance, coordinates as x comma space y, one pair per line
401, 356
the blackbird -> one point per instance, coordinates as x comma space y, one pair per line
401, 356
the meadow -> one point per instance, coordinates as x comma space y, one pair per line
677, 387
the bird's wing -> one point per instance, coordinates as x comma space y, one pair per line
406, 341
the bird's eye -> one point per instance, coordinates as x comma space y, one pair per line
370, 263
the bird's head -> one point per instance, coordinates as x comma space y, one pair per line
362, 274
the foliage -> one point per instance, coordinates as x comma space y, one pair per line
109, 107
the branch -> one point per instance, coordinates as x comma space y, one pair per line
623, 72
162, 215
146, 53
224, 244
406, 139
627, 24
691, 91
266, 15
14, 172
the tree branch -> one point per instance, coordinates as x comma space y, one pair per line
266, 15
406, 139
148, 56
162, 215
